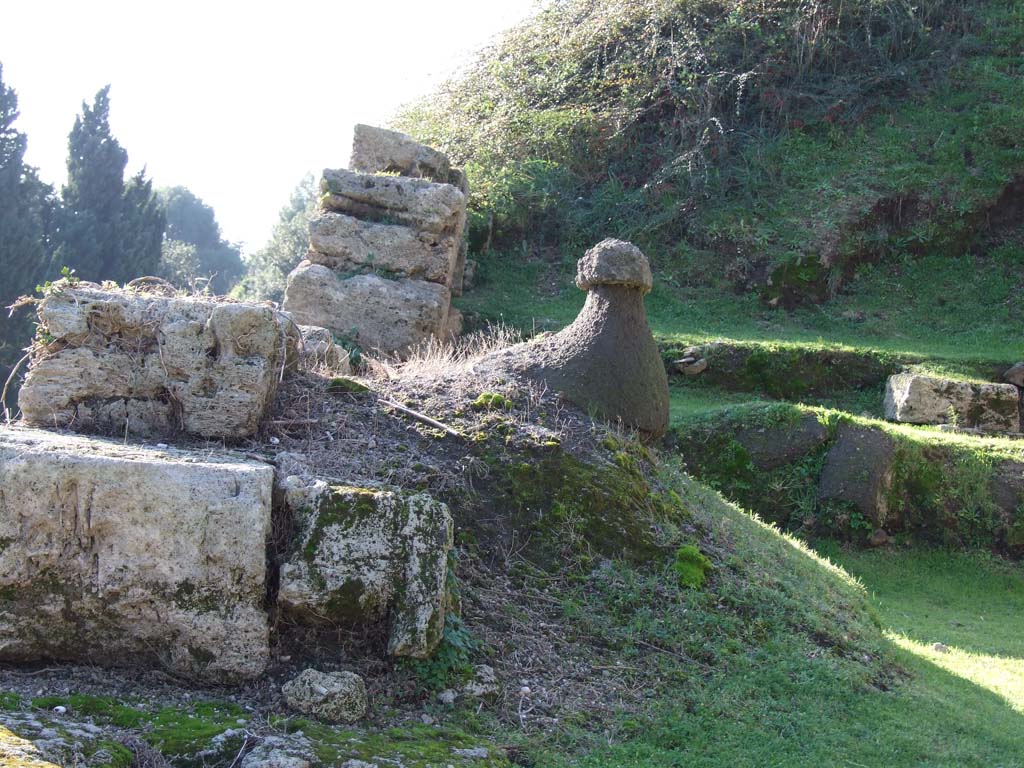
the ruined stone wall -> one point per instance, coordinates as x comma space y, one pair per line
128, 363
387, 251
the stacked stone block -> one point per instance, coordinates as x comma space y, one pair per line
386, 247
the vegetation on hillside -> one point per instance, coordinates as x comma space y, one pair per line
779, 149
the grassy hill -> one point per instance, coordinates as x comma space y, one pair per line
835, 189
797, 171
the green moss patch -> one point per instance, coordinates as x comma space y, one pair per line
562, 505
492, 401
186, 732
413, 745
691, 566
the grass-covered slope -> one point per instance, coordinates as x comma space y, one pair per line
776, 661
953, 489
764, 156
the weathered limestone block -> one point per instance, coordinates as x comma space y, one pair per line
387, 315
346, 244
16, 752
118, 555
606, 359
319, 349
365, 555
917, 399
416, 203
123, 361
858, 472
376, 150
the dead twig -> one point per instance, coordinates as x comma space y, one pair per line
7, 384
421, 417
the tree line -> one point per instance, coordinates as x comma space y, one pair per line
104, 226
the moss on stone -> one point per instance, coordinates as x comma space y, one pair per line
193, 734
343, 506
345, 604
412, 745
106, 753
189, 597
562, 505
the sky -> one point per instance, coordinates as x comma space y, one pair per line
236, 101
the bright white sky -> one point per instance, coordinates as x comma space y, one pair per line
234, 100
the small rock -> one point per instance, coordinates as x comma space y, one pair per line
447, 697
427, 719
1015, 375
879, 538
333, 696
855, 315
274, 754
479, 753
940, 647
484, 682
58, 710
692, 369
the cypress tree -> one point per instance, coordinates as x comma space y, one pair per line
26, 208
109, 230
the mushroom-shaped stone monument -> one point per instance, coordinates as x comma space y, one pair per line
606, 360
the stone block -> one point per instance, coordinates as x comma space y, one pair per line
917, 399
379, 314
858, 472
346, 244
773, 446
377, 150
415, 203
128, 363
117, 555
367, 555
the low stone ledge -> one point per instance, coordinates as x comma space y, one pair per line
916, 399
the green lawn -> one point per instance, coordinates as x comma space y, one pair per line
971, 603
950, 308
790, 704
